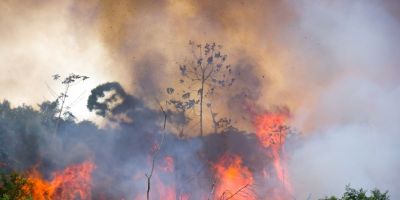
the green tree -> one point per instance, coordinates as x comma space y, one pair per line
361, 194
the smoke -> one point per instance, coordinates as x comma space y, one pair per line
43, 38
350, 121
355, 141
122, 155
334, 64
124, 41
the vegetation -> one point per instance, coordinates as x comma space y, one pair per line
25, 132
61, 99
14, 186
23, 129
361, 194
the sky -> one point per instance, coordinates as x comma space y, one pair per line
334, 64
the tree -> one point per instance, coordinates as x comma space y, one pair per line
179, 117
61, 99
157, 151
361, 194
221, 124
201, 76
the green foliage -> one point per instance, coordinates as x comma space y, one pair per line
361, 194
14, 186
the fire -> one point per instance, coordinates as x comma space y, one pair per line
166, 191
271, 131
160, 189
233, 179
71, 183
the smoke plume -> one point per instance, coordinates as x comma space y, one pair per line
333, 64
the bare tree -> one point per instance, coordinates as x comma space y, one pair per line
149, 175
201, 76
61, 99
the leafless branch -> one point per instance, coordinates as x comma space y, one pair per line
155, 155
237, 192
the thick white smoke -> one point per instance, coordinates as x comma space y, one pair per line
351, 124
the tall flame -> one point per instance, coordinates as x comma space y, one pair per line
71, 183
271, 131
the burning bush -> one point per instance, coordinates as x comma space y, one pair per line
15, 186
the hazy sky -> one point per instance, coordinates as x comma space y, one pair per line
335, 64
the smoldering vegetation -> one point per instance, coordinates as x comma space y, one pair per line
122, 153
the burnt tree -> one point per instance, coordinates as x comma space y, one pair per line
200, 76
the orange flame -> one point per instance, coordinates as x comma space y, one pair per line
233, 179
271, 131
69, 184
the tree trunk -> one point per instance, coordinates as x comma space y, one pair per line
148, 188
214, 120
62, 107
155, 156
201, 104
